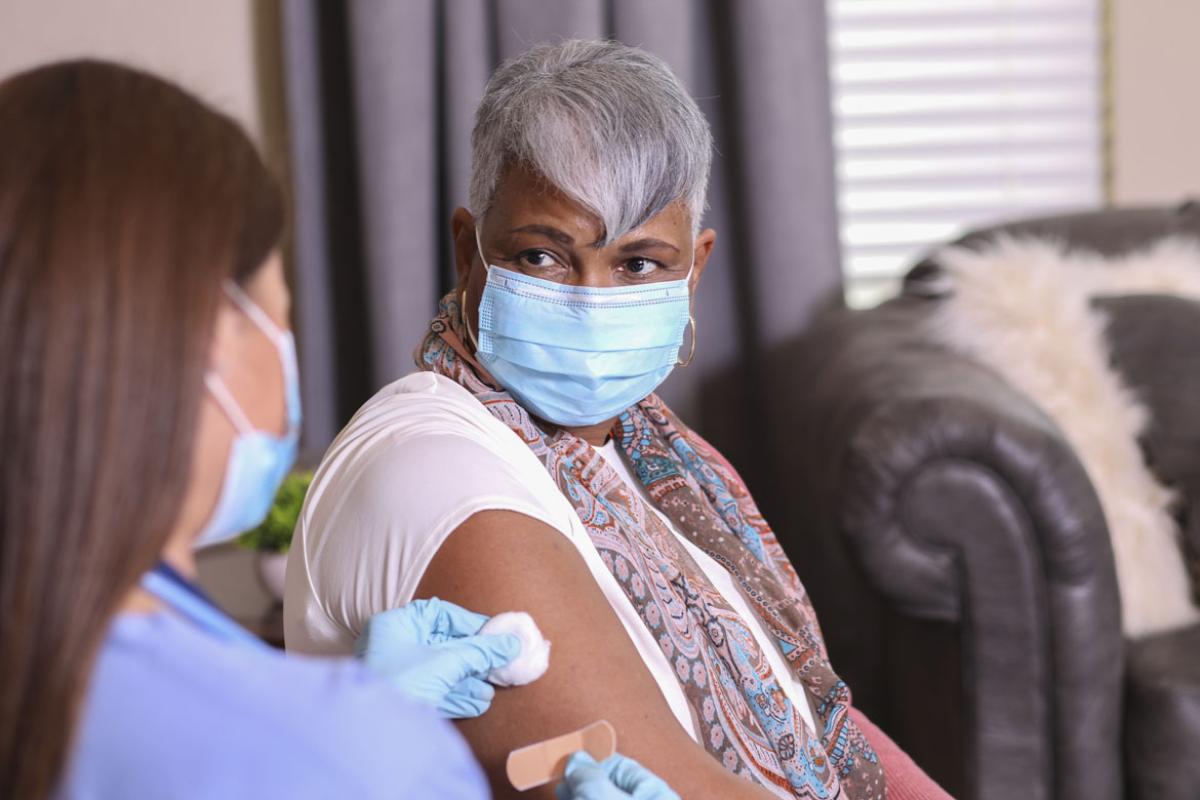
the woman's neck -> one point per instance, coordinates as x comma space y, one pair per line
181, 557
596, 435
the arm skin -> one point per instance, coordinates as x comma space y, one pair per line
504, 561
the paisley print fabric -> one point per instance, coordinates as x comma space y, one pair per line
748, 723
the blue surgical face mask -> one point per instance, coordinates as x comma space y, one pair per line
258, 460
578, 355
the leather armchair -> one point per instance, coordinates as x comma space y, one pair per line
957, 554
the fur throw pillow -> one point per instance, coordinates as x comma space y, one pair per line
1023, 307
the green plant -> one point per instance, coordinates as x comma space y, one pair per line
274, 535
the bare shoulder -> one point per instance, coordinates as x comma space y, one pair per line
505, 561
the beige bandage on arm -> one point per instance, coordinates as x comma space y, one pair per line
540, 763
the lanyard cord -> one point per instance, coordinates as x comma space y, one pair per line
190, 602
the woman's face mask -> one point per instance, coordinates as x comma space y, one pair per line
578, 355
258, 460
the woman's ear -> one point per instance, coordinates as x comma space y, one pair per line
462, 229
702, 249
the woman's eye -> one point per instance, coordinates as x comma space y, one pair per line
538, 259
641, 266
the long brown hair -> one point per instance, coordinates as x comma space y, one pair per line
124, 202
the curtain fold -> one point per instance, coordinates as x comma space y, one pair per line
381, 97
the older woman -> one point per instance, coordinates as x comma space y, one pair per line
529, 465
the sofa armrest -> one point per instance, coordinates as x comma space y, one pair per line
958, 501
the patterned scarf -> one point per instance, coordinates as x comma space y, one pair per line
747, 722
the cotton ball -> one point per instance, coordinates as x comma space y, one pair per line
534, 659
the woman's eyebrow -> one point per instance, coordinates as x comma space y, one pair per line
642, 244
548, 231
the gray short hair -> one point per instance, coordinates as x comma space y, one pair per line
607, 124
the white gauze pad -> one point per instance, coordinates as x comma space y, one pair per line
534, 659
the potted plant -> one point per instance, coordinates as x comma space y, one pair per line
273, 537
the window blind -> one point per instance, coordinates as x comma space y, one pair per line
951, 115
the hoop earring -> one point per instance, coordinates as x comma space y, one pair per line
462, 306
692, 351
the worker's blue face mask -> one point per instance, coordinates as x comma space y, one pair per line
578, 355
258, 460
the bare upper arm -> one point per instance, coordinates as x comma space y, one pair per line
504, 561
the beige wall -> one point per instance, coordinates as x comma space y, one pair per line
208, 46
1155, 102
217, 49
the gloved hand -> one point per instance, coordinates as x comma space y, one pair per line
431, 650
615, 778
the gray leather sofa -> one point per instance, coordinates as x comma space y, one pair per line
957, 555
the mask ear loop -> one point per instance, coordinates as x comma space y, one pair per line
233, 412
283, 342
254, 313
212, 381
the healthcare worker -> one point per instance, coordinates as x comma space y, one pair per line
149, 404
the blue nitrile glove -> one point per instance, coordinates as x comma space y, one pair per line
431, 649
615, 778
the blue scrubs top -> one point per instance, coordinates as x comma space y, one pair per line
177, 712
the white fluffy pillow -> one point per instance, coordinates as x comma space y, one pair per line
1022, 307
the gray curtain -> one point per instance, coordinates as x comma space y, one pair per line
381, 95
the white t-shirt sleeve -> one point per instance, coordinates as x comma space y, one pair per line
397, 482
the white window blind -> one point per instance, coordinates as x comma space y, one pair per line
951, 115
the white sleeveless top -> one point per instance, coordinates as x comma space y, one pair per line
416, 461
